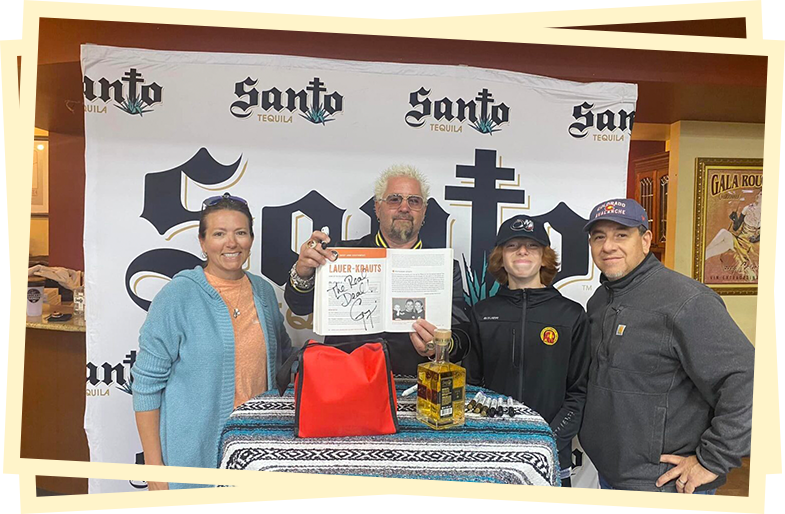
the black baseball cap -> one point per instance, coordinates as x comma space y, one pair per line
522, 226
624, 211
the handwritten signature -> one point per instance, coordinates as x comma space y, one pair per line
349, 293
364, 315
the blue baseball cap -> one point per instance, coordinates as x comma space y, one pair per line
624, 211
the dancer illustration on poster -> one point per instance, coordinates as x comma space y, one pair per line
738, 246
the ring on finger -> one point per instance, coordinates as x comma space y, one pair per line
429, 346
681, 483
311, 244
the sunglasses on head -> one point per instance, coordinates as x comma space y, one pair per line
209, 202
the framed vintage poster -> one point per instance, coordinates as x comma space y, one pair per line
40, 193
728, 200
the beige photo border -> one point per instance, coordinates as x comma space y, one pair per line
489, 21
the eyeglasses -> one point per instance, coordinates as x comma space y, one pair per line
209, 202
415, 202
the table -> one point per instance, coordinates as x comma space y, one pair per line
259, 435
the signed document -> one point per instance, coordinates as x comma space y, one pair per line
371, 290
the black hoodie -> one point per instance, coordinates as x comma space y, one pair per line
533, 345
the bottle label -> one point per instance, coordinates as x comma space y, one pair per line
445, 398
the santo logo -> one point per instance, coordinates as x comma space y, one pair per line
108, 373
131, 94
482, 112
606, 124
312, 103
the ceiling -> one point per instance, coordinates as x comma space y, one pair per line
672, 86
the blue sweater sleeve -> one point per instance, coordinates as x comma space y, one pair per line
159, 344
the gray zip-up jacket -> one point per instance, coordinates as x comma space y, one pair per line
671, 373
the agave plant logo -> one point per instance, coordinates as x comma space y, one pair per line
131, 94
126, 388
318, 115
134, 106
478, 287
485, 126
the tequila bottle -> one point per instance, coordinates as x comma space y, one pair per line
441, 387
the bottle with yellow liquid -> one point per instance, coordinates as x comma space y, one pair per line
441, 387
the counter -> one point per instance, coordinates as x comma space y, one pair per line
53, 397
41, 322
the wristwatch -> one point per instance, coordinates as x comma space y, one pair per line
303, 285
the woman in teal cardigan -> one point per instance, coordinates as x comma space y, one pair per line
184, 375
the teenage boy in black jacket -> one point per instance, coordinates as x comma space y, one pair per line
528, 341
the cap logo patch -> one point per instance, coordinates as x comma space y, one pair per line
549, 336
522, 224
613, 207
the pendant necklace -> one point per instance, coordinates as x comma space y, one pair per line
235, 310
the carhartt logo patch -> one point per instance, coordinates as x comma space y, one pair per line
620, 330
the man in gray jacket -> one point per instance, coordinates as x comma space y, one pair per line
669, 399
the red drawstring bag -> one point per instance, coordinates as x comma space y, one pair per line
342, 394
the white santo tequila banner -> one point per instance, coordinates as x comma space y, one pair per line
303, 141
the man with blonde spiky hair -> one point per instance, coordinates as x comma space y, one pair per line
400, 170
401, 229
401, 198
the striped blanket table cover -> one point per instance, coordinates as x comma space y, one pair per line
259, 435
